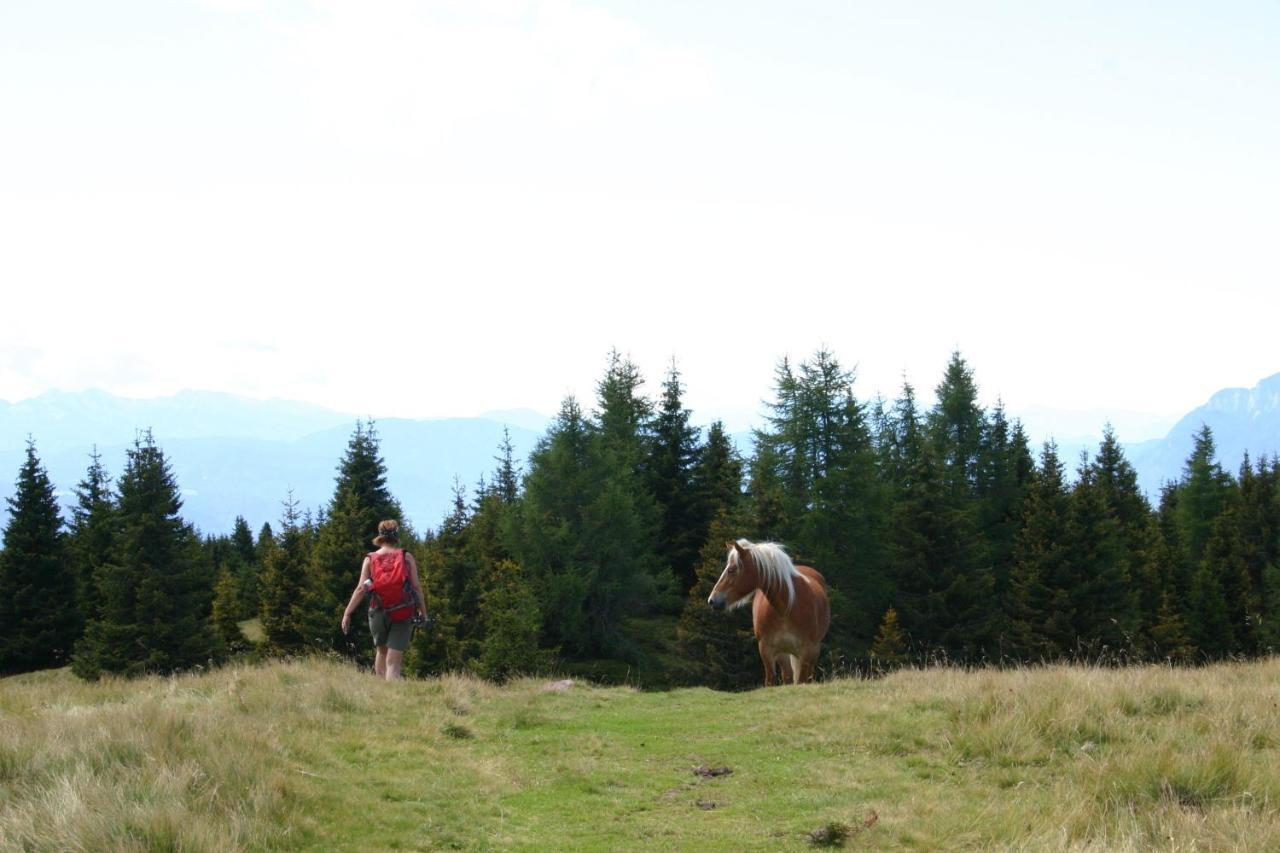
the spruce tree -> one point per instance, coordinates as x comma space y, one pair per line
39, 616
1173, 557
585, 531
779, 477
1269, 619
769, 517
843, 530
956, 427
461, 576
512, 624
1246, 546
1004, 469
916, 542
245, 565
458, 567
889, 649
902, 439
226, 612
1117, 484
1040, 567
717, 478
671, 468
91, 534
1225, 559
455, 523
1268, 554
506, 479
546, 529
1170, 638
621, 521
155, 594
296, 606
1210, 626
264, 543
1204, 493
1102, 603
967, 621
619, 544
623, 414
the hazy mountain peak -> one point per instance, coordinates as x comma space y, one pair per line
1242, 420
1258, 400
65, 419
519, 417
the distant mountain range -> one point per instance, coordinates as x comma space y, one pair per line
240, 456
1242, 419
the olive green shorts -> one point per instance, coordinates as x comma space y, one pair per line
387, 633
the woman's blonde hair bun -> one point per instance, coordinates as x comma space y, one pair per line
388, 533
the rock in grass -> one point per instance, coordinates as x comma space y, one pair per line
558, 686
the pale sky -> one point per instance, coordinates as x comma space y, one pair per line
468, 203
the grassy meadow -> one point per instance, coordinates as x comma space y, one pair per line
315, 755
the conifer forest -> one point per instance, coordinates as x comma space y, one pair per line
943, 536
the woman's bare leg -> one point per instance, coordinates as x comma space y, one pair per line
395, 661
380, 662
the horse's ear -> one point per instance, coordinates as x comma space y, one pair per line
737, 546
730, 545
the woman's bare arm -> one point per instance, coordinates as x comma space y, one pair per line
417, 584
357, 596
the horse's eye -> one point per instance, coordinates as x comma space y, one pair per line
733, 570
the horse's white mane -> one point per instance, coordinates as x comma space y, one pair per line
776, 569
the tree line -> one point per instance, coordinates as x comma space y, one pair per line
942, 535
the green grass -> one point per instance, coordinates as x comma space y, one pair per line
313, 755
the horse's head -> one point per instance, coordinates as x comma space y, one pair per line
738, 581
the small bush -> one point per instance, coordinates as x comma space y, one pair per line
457, 732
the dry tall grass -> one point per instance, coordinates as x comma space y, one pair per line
144, 765
309, 754
1116, 759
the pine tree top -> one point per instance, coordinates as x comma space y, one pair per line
361, 484
34, 516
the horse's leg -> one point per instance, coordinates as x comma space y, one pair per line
768, 661
806, 670
797, 667
805, 666
787, 663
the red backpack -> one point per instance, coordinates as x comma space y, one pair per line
389, 585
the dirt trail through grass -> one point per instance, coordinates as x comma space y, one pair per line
312, 755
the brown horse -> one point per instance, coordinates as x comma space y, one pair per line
790, 614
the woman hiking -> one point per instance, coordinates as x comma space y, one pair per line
389, 576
